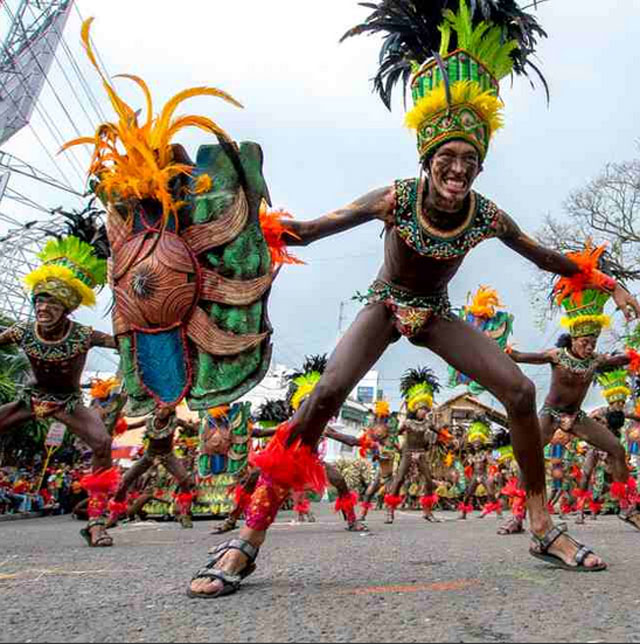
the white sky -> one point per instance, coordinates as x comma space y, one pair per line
327, 139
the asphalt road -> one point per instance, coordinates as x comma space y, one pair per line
413, 581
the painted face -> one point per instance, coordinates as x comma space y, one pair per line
162, 413
49, 311
421, 413
583, 347
380, 432
618, 405
453, 169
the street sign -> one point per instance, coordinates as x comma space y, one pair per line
55, 435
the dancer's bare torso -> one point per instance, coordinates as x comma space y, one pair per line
422, 273
420, 435
57, 365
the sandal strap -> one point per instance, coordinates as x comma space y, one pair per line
214, 574
248, 549
582, 554
550, 537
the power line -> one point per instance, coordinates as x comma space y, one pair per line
62, 69
83, 81
36, 135
49, 122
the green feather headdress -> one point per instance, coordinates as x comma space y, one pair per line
418, 387
614, 384
453, 62
303, 382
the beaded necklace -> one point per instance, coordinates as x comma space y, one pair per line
418, 233
75, 343
579, 366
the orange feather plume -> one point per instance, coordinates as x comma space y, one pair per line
587, 263
484, 302
134, 161
101, 389
274, 230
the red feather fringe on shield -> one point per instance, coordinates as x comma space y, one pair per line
274, 231
588, 275
293, 466
366, 444
634, 360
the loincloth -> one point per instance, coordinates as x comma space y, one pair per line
45, 403
411, 312
562, 419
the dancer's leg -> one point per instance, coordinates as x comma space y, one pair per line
87, 425
358, 350
429, 497
392, 498
473, 353
118, 507
184, 499
601, 438
346, 501
14, 414
370, 492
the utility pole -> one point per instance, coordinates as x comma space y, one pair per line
341, 317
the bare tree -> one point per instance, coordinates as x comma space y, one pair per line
607, 210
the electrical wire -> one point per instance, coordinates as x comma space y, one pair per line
53, 125
37, 136
52, 50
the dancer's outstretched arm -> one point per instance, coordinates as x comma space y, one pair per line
260, 432
345, 439
377, 204
99, 339
611, 362
555, 262
8, 336
531, 358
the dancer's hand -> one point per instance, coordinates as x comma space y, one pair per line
626, 303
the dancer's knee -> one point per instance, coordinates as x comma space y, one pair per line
520, 397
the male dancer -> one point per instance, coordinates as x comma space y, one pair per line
431, 223
160, 430
382, 441
57, 349
480, 440
574, 364
418, 387
615, 390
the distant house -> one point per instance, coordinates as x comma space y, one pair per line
460, 410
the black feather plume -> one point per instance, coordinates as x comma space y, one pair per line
273, 411
311, 363
413, 377
411, 35
88, 226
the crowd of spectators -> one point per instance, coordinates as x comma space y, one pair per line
21, 490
